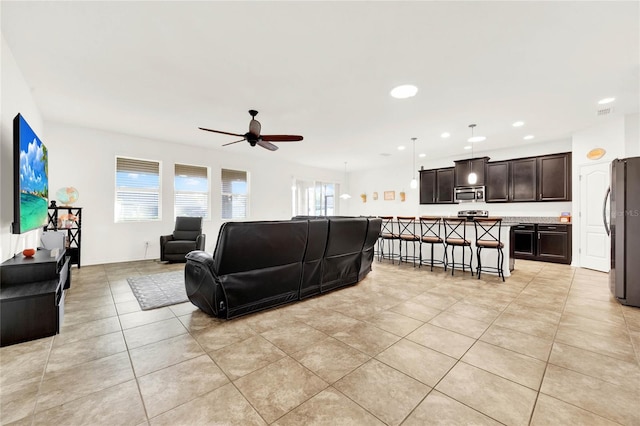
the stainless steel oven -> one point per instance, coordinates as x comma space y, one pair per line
469, 194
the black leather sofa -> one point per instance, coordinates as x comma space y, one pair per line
259, 265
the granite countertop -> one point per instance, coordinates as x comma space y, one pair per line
514, 220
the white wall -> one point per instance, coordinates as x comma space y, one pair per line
394, 179
85, 159
632, 135
16, 98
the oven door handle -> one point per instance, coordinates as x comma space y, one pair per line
604, 211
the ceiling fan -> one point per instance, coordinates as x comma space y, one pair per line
254, 137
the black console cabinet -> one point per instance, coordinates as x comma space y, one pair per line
32, 296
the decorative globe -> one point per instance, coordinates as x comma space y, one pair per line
67, 196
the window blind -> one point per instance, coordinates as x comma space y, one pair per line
137, 190
234, 194
191, 191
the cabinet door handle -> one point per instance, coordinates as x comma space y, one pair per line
538, 235
551, 227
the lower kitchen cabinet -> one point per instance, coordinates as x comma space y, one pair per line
542, 242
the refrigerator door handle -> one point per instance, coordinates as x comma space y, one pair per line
604, 211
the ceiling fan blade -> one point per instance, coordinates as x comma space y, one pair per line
231, 143
219, 131
267, 145
281, 138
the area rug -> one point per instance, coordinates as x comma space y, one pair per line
158, 290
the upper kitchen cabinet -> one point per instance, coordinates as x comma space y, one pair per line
523, 179
554, 177
436, 186
497, 182
464, 167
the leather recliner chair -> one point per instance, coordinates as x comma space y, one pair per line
187, 236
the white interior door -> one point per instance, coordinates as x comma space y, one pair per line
594, 241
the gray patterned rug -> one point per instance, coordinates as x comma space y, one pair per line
158, 290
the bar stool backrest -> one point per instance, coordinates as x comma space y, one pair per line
487, 228
387, 228
407, 226
455, 229
430, 227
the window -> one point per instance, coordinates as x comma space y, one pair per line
234, 194
314, 198
137, 190
191, 191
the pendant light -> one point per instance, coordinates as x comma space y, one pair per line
414, 182
344, 194
472, 178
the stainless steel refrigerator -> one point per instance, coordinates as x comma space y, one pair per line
624, 276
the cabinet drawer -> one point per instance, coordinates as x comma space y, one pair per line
525, 227
556, 228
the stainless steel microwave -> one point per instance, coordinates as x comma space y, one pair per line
469, 194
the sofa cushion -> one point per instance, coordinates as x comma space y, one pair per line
180, 246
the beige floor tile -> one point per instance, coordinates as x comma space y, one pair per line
498, 398
416, 310
154, 332
468, 309
294, 336
164, 353
597, 396
533, 326
612, 370
24, 360
617, 347
417, 361
86, 330
357, 310
136, 319
632, 317
442, 340
222, 334
330, 359
383, 391
18, 399
84, 314
128, 307
436, 300
511, 365
279, 387
198, 320
70, 354
367, 338
329, 408
330, 322
439, 409
242, 358
552, 412
463, 325
224, 405
392, 322
120, 404
516, 341
170, 387
570, 322
183, 308
81, 380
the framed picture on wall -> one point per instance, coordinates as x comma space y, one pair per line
375, 195
389, 195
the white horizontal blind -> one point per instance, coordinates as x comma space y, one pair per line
137, 190
234, 194
191, 191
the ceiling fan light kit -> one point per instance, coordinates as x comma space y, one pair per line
254, 137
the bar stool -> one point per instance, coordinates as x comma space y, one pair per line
455, 236
407, 234
486, 238
430, 234
387, 235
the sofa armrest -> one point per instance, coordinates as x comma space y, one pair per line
163, 240
202, 284
200, 241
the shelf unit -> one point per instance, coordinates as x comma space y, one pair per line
59, 220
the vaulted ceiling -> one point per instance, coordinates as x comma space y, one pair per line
324, 70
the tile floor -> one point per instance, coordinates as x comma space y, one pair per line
404, 346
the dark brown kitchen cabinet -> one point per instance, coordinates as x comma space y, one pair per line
524, 179
497, 182
542, 242
554, 177
436, 186
427, 186
464, 167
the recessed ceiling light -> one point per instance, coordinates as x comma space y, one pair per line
422, 155
528, 137
401, 148
518, 124
445, 135
476, 139
606, 101
467, 147
404, 91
